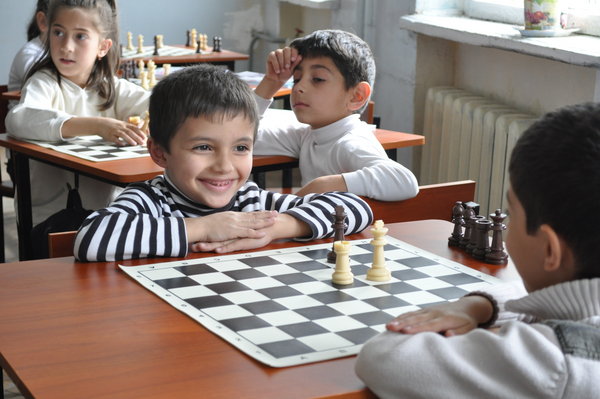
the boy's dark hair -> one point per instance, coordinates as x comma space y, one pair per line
105, 69
555, 173
33, 29
205, 91
351, 55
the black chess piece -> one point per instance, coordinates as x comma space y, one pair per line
339, 226
155, 45
473, 238
198, 50
469, 217
482, 227
187, 38
497, 256
459, 221
217, 44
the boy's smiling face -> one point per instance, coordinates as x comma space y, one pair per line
319, 96
208, 161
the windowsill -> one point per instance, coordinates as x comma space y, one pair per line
319, 4
575, 49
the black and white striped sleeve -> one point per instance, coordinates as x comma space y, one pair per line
316, 209
134, 226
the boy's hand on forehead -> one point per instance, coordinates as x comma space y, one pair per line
222, 227
281, 64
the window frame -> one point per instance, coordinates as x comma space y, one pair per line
587, 21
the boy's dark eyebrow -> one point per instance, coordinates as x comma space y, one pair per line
314, 66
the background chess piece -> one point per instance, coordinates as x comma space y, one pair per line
459, 221
339, 226
342, 274
378, 271
483, 240
187, 38
155, 45
140, 48
497, 256
217, 44
473, 239
469, 217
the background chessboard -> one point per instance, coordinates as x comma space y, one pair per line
94, 148
281, 308
148, 52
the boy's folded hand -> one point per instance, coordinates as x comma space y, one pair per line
226, 226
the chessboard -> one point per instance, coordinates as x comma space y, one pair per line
95, 148
148, 52
281, 308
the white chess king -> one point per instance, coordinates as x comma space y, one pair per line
378, 271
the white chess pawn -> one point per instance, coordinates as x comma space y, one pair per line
129, 41
144, 80
342, 274
166, 69
140, 44
378, 271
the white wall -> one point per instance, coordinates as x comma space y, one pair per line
147, 17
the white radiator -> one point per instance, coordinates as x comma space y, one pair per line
470, 137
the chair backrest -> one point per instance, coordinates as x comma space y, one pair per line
61, 244
3, 108
434, 201
368, 114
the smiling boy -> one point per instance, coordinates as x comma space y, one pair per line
202, 125
333, 72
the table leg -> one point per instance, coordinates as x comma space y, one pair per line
24, 210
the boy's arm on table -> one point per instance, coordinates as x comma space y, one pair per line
369, 172
514, 362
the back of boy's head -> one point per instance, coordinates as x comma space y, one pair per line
202, 91
555, 173
107, 24
350, 54
33, 30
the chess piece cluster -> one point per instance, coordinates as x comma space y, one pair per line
340, 254
471, 233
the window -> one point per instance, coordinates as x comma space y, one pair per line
583, 14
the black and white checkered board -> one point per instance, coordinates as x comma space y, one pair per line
281, 307
148, 52
94, 148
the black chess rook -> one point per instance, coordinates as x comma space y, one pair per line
482, 227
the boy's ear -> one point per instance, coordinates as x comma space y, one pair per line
105, 45
157, 153
360, 94
557, 254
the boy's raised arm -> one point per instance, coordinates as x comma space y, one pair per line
280, 67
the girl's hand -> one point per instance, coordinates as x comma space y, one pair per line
121, 133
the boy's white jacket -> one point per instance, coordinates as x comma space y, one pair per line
521, 360
347, 147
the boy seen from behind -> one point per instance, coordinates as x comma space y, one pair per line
334, 73
202, 125
547, 343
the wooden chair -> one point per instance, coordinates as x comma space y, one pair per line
434, 201
6, 185
61, 244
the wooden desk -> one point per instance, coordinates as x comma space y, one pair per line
73, 330
224, 57
123, 172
